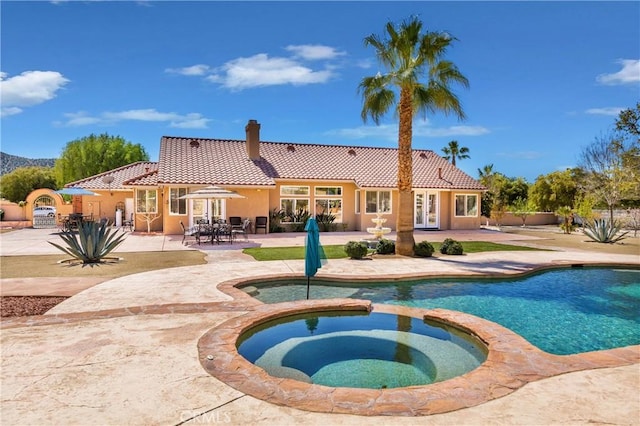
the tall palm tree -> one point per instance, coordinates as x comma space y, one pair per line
453, 151
485, 175
408, 55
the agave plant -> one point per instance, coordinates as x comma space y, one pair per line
603, 231
92, 244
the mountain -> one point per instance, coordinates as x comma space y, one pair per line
9, 163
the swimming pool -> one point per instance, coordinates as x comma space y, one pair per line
561, 311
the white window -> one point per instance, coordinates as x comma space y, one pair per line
378, 201
294, 190
146, 201
357, 201
332, 191
176, 205
294, 206
467, 205
330, 206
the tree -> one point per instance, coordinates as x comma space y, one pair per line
628, 121
15, 186
486, 176
567, 219
610, 164
522, 208
408, 55
93, 154
453, 152
556, 189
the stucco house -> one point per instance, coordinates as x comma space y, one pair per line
352, 183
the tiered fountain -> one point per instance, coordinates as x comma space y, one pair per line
378, 231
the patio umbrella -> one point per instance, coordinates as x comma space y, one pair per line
76, 191
211, 193
314, 256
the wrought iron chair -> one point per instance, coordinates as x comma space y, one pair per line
205, 230
128, 223
244, 229
191, 232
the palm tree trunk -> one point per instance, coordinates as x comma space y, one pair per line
404, 223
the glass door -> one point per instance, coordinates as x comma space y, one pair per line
425, 209
418, 208
432, 210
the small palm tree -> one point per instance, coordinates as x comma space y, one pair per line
409, 55
453, 151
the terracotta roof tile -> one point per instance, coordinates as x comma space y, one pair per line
225, 162
119, 175
147, 179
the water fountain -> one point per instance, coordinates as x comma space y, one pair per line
378, 231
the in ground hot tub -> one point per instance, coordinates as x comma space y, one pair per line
361, 350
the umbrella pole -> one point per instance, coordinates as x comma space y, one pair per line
308, 279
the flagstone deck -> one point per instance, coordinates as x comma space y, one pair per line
126, 351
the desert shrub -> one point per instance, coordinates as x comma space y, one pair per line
445, 245
603, 231
92, 244
325, 222
423, 249
276, 216
385, 246
356, 249
455, 248
451, 246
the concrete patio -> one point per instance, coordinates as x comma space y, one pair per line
125, 351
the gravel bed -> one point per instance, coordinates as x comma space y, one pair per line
19, 306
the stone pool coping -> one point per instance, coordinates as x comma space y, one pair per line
511, 363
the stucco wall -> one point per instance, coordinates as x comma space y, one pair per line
532, 220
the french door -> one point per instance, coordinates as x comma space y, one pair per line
426, 209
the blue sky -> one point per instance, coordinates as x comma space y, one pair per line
546, 78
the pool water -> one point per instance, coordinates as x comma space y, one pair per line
372, 350
562, 311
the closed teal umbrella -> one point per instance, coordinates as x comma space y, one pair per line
314, 255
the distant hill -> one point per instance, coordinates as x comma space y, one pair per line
9, 163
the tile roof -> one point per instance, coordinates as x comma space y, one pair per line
225, 162
120, 177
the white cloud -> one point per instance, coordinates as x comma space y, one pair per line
80, 118
612, 111
420, 128
28, 89
314, 52
199, 69
453, 131
187, 121
629, 74
261, 70
7, 111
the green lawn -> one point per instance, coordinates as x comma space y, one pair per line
337, 251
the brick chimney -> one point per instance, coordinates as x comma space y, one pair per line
253, 139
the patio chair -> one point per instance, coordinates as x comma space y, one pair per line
235, 222
244, 229
261, 223
191, 232
128, 223
205, 230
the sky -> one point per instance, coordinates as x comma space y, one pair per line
545, 78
